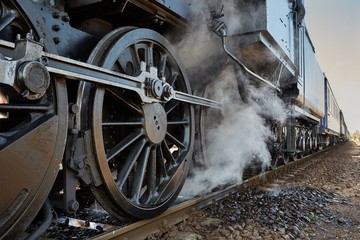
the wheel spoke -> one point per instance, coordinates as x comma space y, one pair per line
130, 162
149, 56
162, 66
181, 122
151, 172
160, 163
129, 105
135, 57
139, 123
167, 154
126, 142
7, 19
139, 175
124, 62
171, 106
167, 188
128, 62
175, 141
173, 79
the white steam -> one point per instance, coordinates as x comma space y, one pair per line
269, 104
239, 139
240, 136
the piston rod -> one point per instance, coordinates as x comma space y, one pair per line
80, 71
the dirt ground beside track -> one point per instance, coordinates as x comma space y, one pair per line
322, 202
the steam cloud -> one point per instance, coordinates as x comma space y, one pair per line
241, 136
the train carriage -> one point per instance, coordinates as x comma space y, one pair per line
331, 123
344, 132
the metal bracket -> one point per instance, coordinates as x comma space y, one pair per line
74, 162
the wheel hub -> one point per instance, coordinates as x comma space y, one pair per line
157, 88
155, 122
34, 78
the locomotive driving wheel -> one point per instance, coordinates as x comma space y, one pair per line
32, 131
142, 150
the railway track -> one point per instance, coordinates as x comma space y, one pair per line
268, 180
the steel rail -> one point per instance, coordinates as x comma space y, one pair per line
142, 229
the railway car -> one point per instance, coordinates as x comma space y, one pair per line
95, 96
330, 128
344, 132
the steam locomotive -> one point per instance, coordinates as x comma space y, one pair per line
94, 96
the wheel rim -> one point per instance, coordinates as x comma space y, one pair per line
209, 121
142, 150
31, 142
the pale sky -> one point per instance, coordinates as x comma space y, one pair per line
334, 28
